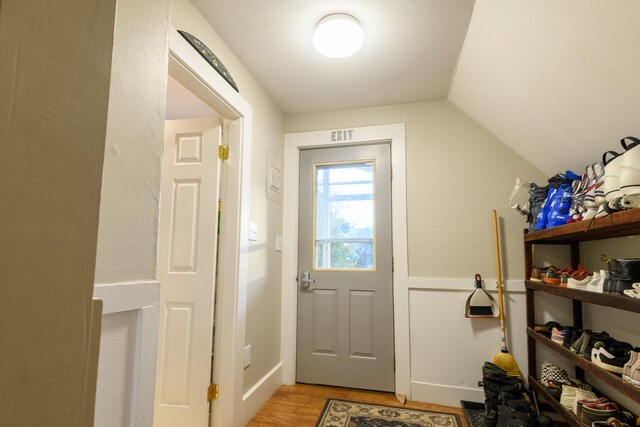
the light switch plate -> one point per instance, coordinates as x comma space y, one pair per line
253, 231
278, 243
274, 177
247, 356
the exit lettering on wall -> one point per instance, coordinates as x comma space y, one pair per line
342, 135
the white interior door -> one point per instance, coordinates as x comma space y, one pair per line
186, 269
345, 283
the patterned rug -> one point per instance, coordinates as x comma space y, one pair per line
342, 413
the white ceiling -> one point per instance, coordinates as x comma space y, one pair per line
410, 51
557, 81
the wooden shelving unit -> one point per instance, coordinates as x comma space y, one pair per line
620, 224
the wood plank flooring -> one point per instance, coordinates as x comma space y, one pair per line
300, 405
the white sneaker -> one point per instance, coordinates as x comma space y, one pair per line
612, 169
630, 201
597, 284
630, 171
578, 284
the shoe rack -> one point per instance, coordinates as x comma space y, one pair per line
619, 224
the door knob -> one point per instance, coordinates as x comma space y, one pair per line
305, 280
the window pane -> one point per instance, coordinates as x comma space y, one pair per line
344, 216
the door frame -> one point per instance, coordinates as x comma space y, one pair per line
192, 71
294, 142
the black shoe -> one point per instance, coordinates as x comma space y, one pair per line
628, 274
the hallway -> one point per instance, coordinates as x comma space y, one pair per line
300, 405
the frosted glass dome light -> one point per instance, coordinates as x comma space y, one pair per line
338, 35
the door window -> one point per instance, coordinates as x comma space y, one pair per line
344, 216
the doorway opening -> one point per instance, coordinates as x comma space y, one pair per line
198, 248
394, 136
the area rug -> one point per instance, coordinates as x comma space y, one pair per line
343, 413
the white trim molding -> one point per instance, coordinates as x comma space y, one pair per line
395, 135
193, 72
256, 397
144, 298
447, 395
463, 285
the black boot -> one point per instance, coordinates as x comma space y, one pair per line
495, 386
628, 274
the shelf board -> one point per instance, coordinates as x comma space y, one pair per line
618, 224
555, 404
621, 302
607, 377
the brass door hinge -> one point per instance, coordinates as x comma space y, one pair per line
212, 392
223, 152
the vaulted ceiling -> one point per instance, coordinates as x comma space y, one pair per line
557, 81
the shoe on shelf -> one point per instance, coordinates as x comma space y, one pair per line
608, 361
578, 193
587, 341
630, 170
631, 371
554, 277
571, 336
596, 284
633, 293
591, 412
547, 328
552, 373
582, 402
626, 369
628, 272
612, 168
557, 335
614, 422
539, 273
559, 208
594, 196
580, 281
568, 397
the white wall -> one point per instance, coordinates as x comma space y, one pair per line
264, 279
555, 80
457, 172
129, 210
128, 233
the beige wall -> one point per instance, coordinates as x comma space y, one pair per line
457, 172
263, 290
55, 61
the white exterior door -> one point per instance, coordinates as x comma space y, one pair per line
186, 269
345, 283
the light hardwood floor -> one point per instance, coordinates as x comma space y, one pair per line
300, 405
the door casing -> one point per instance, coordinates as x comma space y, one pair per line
192, 71
395, 135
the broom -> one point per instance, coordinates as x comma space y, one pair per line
503, 359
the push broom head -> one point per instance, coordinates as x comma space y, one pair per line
508, 363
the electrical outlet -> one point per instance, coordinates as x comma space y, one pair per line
253, 231
278, 243
247, 356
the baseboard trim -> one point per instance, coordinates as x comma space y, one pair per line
446, 395
260, 393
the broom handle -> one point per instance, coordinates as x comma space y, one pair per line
499, 272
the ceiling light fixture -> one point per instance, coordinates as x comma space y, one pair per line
338, 35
